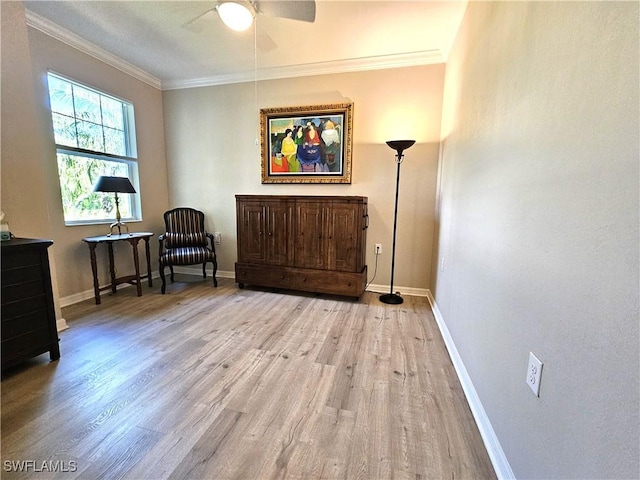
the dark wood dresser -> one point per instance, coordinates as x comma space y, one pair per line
28, 313
308, 243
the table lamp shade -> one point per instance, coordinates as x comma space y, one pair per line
114, 184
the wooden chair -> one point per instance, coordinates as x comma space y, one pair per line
185, 243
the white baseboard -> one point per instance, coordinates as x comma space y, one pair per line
492, 444
197, 270
414, 292
87, 294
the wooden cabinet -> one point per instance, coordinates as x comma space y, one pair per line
310, 243
28, 314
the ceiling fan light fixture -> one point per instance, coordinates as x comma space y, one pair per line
237, 16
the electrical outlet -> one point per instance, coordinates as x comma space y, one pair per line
534, 371
378, 248
217, 238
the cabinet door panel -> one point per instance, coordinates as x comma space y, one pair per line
310, 250
342, 238
279, 233
252, 248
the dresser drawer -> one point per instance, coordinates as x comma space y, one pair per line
16, 276
24, 323
23, 306
28, 344
20, 259
22, 291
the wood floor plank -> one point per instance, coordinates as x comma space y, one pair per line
228, 383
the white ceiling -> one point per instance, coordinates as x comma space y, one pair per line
160, 43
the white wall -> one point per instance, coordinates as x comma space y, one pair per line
212, 155
538, 228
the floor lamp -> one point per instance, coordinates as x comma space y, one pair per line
399, 146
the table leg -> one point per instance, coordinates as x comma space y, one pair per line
148, 253
94, 270
136, 261
112, 268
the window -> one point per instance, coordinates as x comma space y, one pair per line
94, 134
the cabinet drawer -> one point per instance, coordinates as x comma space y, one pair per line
23, 306
34, 341
16, 326
15, 276
21, 291
20, 259
266, 276
338, 283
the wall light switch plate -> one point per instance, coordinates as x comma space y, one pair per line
217, 238
534, 372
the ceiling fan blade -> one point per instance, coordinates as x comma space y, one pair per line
303, 10
197, 24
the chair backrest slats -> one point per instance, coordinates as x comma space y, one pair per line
184, 228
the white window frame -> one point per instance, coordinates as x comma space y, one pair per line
130, 159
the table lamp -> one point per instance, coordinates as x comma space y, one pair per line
115, 185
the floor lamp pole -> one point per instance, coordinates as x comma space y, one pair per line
399, 146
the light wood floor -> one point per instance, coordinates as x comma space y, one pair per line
205, 383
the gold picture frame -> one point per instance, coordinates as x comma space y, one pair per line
310, 144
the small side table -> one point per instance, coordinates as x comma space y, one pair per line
133, 238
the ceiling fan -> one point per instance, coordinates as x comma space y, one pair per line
239, 14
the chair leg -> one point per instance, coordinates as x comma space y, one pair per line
215, 269
204, 270
164, 283
171, 268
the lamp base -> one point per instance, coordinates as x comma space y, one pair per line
391, 298
119, 226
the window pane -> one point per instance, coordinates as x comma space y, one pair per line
64, 129
114, 142
112, 113
77, 176
60, 96
90, 136
87, 104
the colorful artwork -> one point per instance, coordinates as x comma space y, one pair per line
306, 144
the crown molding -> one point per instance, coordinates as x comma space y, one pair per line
65, 36
424, 57
412, 59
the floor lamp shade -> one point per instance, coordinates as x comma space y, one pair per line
399, 146
115, 185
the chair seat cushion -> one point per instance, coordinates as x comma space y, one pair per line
187, 256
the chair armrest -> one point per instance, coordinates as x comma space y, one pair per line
161, 243
210, 237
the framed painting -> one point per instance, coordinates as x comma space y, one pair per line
306, 144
